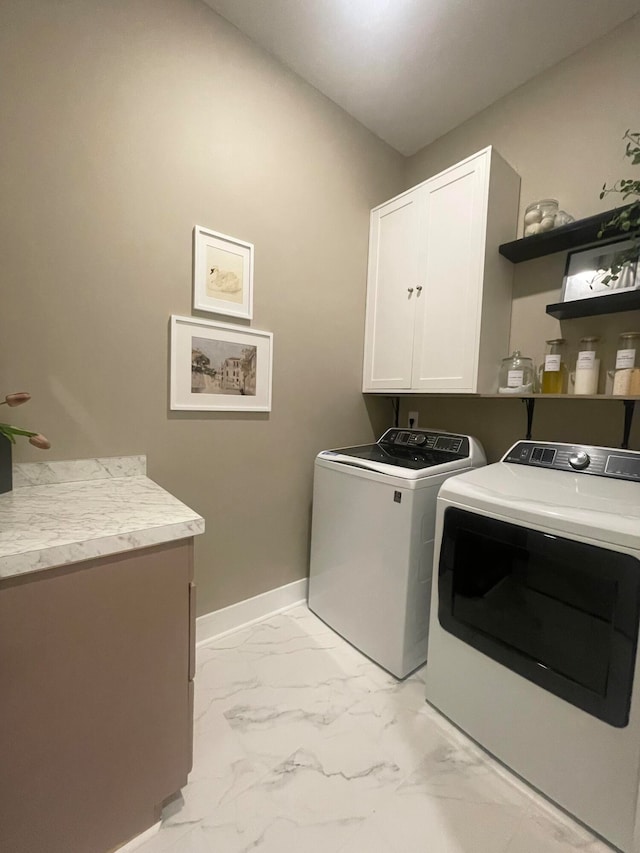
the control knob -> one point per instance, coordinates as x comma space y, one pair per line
579, 460
420, 439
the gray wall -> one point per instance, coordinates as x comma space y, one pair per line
124, 124
562, 132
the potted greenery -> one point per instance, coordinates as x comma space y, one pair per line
627, 219
8, 435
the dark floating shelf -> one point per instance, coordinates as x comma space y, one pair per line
610, 303
571, 236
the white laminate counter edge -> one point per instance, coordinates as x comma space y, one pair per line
57, 524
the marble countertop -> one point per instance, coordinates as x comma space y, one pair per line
64, 512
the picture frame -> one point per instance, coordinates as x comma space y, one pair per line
222, 274
585, 270
219, 367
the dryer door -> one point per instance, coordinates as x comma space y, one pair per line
561, 613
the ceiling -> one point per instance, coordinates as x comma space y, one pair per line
411, 70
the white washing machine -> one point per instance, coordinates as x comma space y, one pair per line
374, 509
534, 624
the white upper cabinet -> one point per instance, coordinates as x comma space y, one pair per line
392, 290
439, 294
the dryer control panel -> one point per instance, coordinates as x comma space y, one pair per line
577, 458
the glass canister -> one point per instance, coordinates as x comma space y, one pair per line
517, 375
562, 218
626, 376
553, 370
540, 216
587, 372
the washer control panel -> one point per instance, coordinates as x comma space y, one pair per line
426, 440
579, 458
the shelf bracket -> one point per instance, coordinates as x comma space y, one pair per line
395, 403
530, 403
629, 406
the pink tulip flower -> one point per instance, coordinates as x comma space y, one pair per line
40, 441
16, 399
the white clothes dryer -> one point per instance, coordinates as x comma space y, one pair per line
534, 624
372, 539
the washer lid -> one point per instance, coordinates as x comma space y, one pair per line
400, 457
411, 454
592, 507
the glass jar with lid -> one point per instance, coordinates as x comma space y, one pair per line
562, 218
626, 376
540, 216
587, 370
553, 370
517, 375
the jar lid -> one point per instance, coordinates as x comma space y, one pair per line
556, 341
630, 334
588, 339
516, 357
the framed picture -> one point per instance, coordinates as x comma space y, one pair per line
587, 269
217, 367
222, 274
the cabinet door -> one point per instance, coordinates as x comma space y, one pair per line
95, 721
394, 249
445, 356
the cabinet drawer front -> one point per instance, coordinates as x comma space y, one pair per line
393, 279
448, 309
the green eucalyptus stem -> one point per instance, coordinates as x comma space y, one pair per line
627, 220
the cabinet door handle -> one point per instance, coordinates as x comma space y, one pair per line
419, 289
410, 290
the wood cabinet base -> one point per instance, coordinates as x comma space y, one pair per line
95, 699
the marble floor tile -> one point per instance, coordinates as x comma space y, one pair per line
308, 622
416, 823
314, 800
302, 744
280, 836
222, 769
166, 840
398, 719
543, 833
278, 686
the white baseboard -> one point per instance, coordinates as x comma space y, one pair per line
139, 839
250, 610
